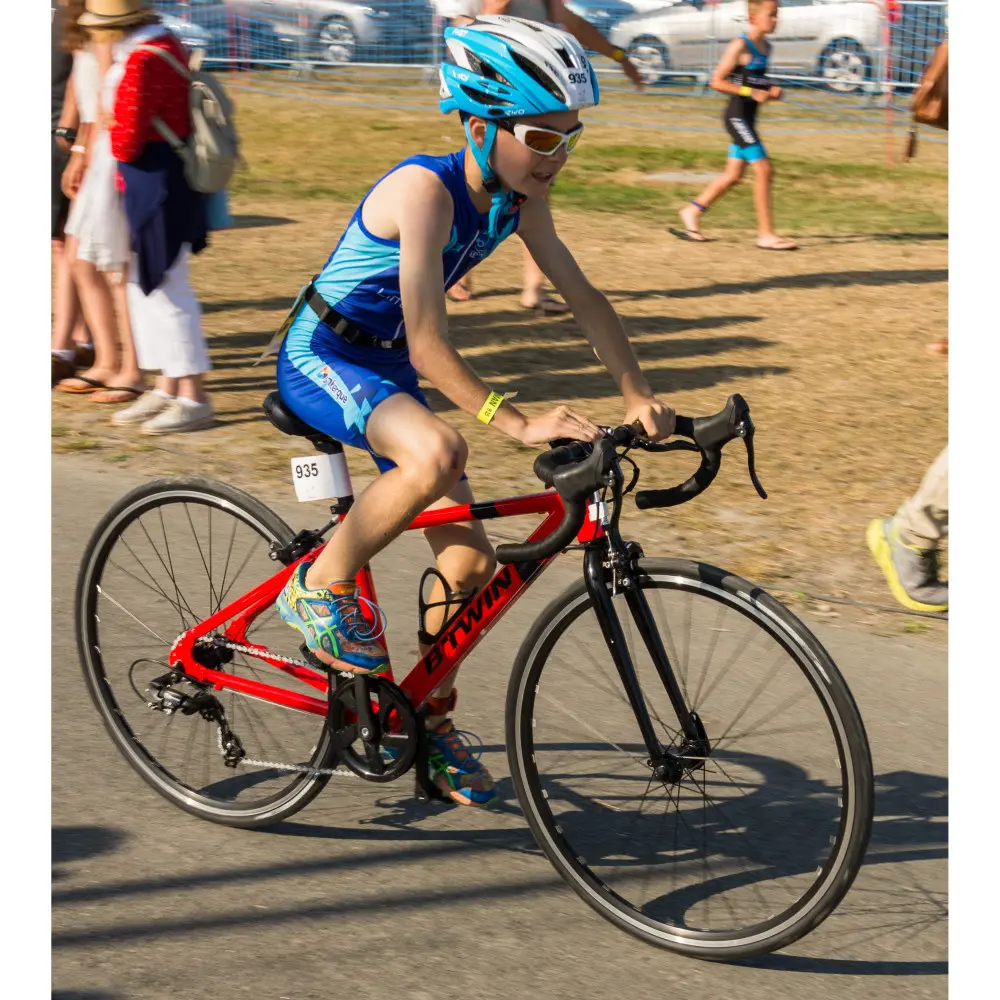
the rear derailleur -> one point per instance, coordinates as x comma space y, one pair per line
165, 697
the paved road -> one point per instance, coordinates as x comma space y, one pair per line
366, 895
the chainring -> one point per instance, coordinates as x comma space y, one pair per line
380, 745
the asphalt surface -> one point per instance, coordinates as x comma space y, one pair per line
366, 894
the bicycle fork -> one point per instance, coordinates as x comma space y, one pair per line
668, 763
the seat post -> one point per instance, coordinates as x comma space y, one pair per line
328, 446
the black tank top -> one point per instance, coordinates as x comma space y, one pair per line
753, 74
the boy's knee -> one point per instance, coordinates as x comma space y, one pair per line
442, 461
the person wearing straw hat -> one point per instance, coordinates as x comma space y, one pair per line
166, 218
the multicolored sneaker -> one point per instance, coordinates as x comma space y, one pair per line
455, 766
333, 624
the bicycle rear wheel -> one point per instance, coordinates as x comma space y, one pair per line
757, 841
165, 557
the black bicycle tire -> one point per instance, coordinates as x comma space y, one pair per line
541, 639
307, 786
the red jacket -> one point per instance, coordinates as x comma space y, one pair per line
150, 87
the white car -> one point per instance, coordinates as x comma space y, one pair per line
834, 40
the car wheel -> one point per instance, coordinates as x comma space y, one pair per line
336, 41
651, 58
845, 66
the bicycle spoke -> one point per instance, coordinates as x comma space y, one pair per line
125, 610
170, 562
225, 569
201, 554
714, 632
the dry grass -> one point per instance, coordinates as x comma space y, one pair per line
826, 345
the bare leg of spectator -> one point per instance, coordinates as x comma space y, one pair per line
126, 385
99, 311
70, 337
533, 294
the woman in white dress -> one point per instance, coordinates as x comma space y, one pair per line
97, 235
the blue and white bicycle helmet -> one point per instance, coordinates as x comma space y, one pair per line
506, 67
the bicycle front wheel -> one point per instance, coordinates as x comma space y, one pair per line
167, 556
758, 839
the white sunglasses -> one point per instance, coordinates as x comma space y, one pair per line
545, 141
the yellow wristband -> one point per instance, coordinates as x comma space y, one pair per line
490, 407
745, 91
618, 55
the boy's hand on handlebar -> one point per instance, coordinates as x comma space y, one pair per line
562, 422
657, 418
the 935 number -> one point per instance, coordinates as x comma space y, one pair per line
578, 78
308, 471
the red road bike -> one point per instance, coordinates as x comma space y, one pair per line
686, 753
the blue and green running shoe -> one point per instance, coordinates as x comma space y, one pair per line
334, 625
456, 768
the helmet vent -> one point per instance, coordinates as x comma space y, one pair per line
484, 98
541, 78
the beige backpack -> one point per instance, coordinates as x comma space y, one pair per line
212, 149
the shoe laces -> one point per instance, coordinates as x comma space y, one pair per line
457, 741
348, 610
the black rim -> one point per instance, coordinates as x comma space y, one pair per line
164, 563
709, 857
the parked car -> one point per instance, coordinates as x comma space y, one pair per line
224, 31
602, 14
832, 39
341, 31
193, 36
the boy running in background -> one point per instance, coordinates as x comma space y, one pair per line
742, 73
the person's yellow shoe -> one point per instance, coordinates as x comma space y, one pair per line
912, 574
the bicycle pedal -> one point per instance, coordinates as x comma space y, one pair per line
312, 659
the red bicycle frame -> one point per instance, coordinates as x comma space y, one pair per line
460, 636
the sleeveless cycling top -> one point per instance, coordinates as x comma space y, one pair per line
361, 278
753, 74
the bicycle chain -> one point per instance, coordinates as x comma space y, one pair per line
227, 747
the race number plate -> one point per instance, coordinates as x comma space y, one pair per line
321, 477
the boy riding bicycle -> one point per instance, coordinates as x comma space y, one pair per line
375, 319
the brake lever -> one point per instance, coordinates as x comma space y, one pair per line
745, 429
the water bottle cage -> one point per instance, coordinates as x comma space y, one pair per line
456, 599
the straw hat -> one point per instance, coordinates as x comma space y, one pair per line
114, 13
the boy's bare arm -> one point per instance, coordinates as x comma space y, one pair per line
727, 66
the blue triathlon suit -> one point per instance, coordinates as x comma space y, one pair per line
740, 117
333, 385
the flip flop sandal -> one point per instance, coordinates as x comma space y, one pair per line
131, 394
90, 385
690, 235
548, 306
788, 245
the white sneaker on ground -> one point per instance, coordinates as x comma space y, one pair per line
146, 406
178, 417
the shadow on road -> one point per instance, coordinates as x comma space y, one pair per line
76, 843
891, 907
84, 995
